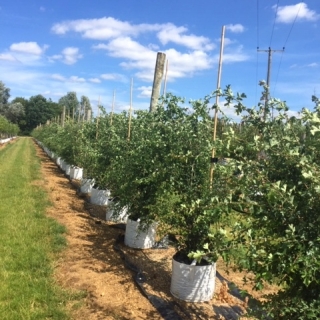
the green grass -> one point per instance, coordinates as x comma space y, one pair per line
29, 241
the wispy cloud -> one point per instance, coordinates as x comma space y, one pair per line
28, 47
25, 53
299, 11
313, 65
61, 78
95, 80
236, 55
99, 29
113, 77
7, 57
178, 35
235, 28
145, 92
193, 54
69, 55
143, 59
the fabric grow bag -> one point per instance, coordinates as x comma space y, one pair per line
99, 197
136, 238
58, 161
76, 173
67, 169
191, 282
121, 217
86, 185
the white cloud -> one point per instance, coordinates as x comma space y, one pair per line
61, 78
108, 28
7, 57
235, 28
95, 80
28, 47
186, 64
69, 55
227, 41
76, 79
145, 92
58, 77
313, 65
43, 9
236, 55
100, 46
143, 59
100, 29
113, 76
299, 11
172, 33
25, 53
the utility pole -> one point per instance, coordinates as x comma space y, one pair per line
267, 97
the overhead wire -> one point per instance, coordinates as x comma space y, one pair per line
257, 62
274, 22
293, 23
270, 44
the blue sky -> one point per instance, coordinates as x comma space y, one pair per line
96, 47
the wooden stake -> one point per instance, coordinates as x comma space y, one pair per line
63, 116
217, 101
113, 100
130, 110
97, 124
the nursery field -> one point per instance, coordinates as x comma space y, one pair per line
97, 262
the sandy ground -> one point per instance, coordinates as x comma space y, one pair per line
92, 265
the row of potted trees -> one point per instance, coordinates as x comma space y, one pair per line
159, 175
257, 209
7, 129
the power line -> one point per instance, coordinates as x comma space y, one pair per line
257, 62
258, 23
274, 22
275, 84
294, 21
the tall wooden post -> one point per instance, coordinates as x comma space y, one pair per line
88, 115
158, 75
63, 116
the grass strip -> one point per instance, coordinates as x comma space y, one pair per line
28, 240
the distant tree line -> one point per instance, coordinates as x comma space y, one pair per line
29, 113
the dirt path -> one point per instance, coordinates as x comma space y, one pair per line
91, 264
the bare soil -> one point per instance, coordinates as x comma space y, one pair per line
98, 263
